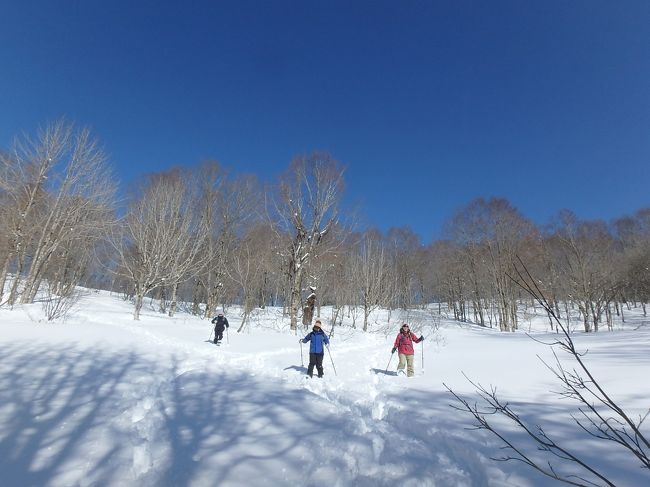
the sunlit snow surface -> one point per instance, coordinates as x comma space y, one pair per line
102, 400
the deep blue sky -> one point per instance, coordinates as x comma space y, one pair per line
429, 104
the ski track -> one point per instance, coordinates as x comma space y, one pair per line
371, 429
372, 411
106, 401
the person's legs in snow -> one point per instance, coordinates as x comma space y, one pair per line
319, 363
402, 362
409, 367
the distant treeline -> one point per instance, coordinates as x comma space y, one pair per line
207, 238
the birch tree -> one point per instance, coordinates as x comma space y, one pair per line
24, 173
402, 244
585, 249
60, 188
493, 233
309, 193
162, 236
245, 271
79, 204
370, 273
229, 205
633, 234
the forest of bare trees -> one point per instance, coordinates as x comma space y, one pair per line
204, 238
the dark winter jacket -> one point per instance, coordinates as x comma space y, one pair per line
220, 323
404, 342
317, 339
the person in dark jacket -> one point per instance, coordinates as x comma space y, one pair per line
220, 323
404, 345
318, 340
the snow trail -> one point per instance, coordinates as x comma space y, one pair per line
103, 400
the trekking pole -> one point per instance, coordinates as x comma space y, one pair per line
388, 364
328, 353
302, 362
422, 350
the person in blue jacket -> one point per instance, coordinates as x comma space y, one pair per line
318, 340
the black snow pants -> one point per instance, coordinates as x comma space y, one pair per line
317, 360
218, 333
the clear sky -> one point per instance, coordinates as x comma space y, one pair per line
429, 104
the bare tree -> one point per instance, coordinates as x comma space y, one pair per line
369, 271
24, 174
586, 250
60, 189
598, 414
633, 234
265, 248
493, 231
79, 205
162, 236
447, 276
309, 193
244, 271
321, 278
59, 302
401, 247
230, 204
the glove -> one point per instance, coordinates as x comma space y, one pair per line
421, 337
300, 340
393, 350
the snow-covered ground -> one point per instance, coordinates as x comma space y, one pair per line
102, 400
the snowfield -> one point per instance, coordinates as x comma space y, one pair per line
102, 400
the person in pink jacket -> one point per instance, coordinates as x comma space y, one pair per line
404, 345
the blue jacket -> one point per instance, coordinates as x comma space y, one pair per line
317, 338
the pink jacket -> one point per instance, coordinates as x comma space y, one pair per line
404, 342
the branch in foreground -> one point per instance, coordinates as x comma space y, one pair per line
597, 413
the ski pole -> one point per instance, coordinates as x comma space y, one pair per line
210, 337
328, 352
227, 335
302, 362
388, 364
422, 350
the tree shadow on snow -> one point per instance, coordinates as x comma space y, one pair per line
52, 403
447, 438
71, 416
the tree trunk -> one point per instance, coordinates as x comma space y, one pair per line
585, 316
139, 299
172, 304
366, 313
243, 323
13, 293
308, 310
3, 276
294, 301
196, 298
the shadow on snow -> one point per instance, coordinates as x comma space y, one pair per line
114, 418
